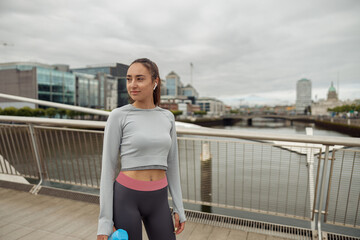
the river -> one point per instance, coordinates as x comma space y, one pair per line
280, 127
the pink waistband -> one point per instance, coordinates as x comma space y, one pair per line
140, 185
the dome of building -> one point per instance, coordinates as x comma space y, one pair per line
332, 92
332, 88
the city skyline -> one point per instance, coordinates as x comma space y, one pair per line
243, 52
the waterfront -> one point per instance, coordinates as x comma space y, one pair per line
280, 127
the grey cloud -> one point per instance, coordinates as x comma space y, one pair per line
238, 48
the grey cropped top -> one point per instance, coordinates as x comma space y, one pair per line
146, 139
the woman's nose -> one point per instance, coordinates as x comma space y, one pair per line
131, 83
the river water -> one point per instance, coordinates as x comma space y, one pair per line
280, 127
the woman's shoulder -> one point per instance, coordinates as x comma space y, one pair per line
123, 108
167, 113
120, 111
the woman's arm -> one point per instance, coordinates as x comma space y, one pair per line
173, 174
110, 154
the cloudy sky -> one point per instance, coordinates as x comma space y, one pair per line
249, 51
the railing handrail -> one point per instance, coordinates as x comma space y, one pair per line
57, 105
202, 131
345, 141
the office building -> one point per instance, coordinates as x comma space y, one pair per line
55, 83
212, 106
118, 71
190, 91
173, 85
303, 96
96, 91
37, 81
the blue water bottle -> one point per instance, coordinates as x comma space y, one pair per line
119, 234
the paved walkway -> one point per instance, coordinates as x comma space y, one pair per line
27, 217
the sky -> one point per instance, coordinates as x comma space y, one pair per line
243, 52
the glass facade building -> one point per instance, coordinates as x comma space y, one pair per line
173, 85
88, 90
51, 85
113, 71
55, 86
96, 88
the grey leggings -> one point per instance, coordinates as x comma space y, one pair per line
152, 207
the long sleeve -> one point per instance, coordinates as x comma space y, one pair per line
173, 174
111, 146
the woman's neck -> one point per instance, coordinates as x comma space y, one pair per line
144, 105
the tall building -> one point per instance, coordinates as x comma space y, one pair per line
173, 85
303, 96
37, 81
117, 70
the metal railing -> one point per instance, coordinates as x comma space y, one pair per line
298, 177
216, 170
252, 176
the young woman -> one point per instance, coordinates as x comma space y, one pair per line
146, 136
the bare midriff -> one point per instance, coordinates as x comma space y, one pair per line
146, 175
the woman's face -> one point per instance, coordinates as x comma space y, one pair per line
139, 84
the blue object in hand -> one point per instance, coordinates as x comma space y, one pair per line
119, 234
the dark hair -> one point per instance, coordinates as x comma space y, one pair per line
154, 73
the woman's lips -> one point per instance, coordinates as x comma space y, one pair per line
134, 92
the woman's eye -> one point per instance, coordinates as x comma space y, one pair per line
140, 79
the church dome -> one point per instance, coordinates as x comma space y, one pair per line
332, 92
332, 89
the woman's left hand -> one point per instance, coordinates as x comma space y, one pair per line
179, 227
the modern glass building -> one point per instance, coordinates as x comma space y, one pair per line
88, 90
116, 71
36, 80
173, 85
55, 86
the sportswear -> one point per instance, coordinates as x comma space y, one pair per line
146, 139
149, 206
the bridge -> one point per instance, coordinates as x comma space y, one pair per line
231, 119
234, 183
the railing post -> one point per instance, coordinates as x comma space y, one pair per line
310, 162
322, 190
36, 188
206, 177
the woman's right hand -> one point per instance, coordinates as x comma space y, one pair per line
102, 237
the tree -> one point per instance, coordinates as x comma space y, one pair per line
176, 112
70, 113
50, 112
25, 111
38, 112
200, 113
62, 112
9, 111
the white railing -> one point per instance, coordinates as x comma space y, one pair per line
295, 176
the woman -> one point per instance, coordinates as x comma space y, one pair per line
145, 134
